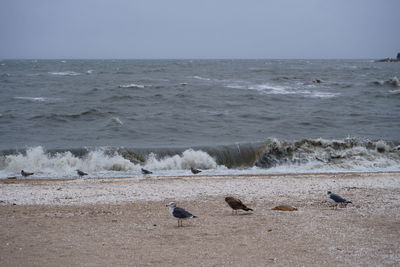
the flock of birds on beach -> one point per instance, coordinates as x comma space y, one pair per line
236, 204
81, 173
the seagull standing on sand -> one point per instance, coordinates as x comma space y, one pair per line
236, 204
179, 213
195, 171
81, 173
336, 199
26, 174
144, 171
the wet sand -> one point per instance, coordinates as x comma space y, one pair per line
124, 221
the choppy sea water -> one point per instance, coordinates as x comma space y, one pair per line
113, 117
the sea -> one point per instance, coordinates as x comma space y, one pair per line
110, 118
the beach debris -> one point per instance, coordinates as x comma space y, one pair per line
145, 172
179, 213
195, 171
337, 200
26, 174
12, 177
284, 207
81, 173
236, 204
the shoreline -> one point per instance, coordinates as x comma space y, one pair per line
20, 179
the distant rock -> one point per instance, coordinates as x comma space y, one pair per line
397, 59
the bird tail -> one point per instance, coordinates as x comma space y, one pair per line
247, 209
347, 202
194, 216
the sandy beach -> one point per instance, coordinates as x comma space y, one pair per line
124, 221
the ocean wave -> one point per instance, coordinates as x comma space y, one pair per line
201, 78
189, 158
100, 162
131, 85
271, 156
391, 82
38, 99
320, 154
64, 164
86, 113
65, 73
297, 89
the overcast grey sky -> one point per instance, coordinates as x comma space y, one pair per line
199, 29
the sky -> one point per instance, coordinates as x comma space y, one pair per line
183, 29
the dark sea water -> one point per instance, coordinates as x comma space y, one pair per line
112, 117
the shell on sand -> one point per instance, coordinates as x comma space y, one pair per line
285, 208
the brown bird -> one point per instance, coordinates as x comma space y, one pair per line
195, 171
26, 174
236, 204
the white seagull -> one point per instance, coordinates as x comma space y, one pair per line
336, 199
179, 213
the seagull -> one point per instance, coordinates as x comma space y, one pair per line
236, 204
195, 171
179, 213
26, 174
81, 173
336, 199
144, 171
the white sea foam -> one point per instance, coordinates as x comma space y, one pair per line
189, 158
64, 164
394, 81
267, 88
201, 78
99, 164
65, 73
117, 120
131, 85
38, 99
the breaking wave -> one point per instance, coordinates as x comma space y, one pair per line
340, 155
99, 163
271, 156
270, 89
394, 82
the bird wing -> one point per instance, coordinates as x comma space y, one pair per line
337, 198
235, 203
181, 213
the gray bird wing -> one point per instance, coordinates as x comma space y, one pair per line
181, 213
337, 198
